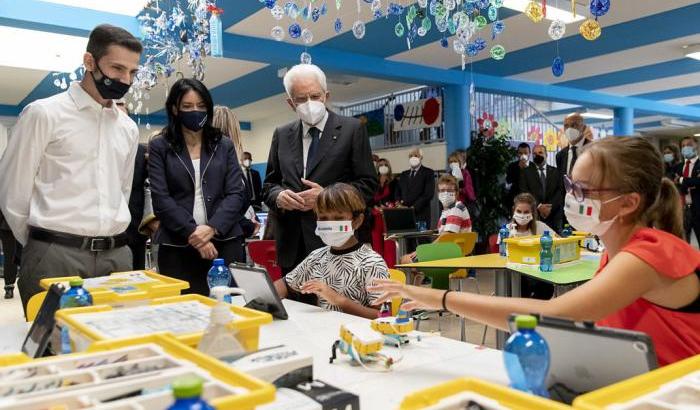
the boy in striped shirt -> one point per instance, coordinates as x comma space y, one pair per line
454, 217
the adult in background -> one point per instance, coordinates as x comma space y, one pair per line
544, 183
689, 180
672, 161
319, 149
68, 169
227, 121
387, 184
9, 249
416, 187
515, 169
578, 134
253, 182
196, 187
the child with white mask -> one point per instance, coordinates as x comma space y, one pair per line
525, 219
338, 274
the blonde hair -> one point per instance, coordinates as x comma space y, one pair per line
446, 179
634, 165
526, 198
383, 161
340, 197
225, 120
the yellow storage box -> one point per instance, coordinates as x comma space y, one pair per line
119, 289
185, 317
131, 374
455, 394
673, 387
526, 249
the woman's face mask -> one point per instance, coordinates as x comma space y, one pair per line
585, 216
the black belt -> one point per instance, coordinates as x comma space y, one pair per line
93, 244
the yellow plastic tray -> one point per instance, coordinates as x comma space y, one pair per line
628, 390
259, 392
116, 290
526, 249
506, 397
247, 324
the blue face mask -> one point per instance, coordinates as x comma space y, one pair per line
688, 152
193, 120
668, 158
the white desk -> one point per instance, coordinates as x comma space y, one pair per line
426, 363
313, 330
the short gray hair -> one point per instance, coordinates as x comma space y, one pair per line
304, 70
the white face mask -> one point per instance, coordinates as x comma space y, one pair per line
572, 134
585, 216
524, 158
246, 163
334, 233
414, 162
383, 170
311, 112
447, 199
522, 219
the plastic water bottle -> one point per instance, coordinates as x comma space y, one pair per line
526, 356
567, 231
502, 235
188, 394
546, 255
215, 35
219, 275
76, 296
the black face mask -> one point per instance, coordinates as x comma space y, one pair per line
538, 159
193, 120
109, 88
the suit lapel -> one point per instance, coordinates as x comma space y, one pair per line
328, 138
297, 150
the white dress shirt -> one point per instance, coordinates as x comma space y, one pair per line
68, 167
570, 157
306, 137
199, 212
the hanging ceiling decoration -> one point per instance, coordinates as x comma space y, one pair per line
461, 20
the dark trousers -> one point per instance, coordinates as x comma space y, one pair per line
186, 264
691, 221
50, 260
9, 248
138, 252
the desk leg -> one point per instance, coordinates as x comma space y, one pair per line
503, 288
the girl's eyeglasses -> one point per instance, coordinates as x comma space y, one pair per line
579, 192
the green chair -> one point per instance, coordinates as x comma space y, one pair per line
436, 251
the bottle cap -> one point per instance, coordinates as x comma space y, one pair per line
525, 322
187, 387
546, 233
218, 261
76, 282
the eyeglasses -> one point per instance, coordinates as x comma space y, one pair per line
579, 192
313, 97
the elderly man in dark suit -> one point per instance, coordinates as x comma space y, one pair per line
319, 149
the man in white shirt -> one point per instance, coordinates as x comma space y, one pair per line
68, 168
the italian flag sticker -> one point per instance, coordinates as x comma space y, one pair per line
585, 210
343, 228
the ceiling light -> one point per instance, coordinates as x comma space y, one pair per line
553, 13
597, 116
692, 51
39, 50
126, 7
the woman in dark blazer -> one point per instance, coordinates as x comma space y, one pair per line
196, 187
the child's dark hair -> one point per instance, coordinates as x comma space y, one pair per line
340, 197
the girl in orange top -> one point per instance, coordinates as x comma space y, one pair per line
648, 277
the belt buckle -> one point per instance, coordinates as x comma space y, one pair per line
95, 241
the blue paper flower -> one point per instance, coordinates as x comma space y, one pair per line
600, 7
338, 26
315, 14
444, 43
558, 66
472, 49
294, 30
480, 43
270, 3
